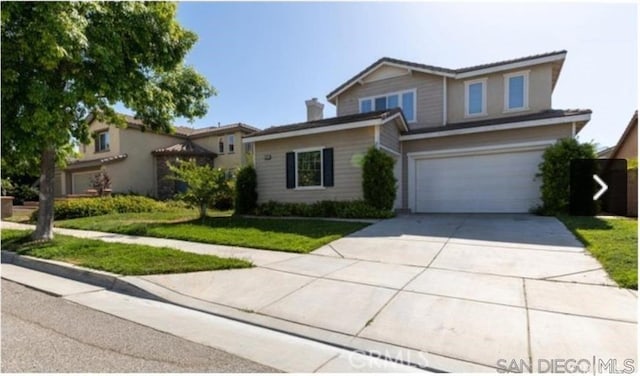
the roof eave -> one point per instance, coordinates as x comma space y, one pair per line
580, 119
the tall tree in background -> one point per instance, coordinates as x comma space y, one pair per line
62, 61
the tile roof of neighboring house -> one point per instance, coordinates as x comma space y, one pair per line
328, 121
184, 131
547, 114
633, 122
201, 132
435, 69
184, 148
95, 162
605, 153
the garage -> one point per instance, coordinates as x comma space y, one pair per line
480, 180
82, 181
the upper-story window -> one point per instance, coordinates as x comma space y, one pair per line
475, 97
220, 145
231, 144
516, 91
102, 141
406, 100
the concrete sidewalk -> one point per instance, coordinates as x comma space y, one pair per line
277, 350
450, 292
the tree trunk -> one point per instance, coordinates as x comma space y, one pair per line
44, 228
203, 212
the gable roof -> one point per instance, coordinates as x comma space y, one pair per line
184, 131
632, 123
183, 148
329, 124
453, 73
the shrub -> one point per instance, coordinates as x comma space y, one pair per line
101, 182
92, 206
22, 193
205, 184
246, 190
378, 182
555, 173
328, 209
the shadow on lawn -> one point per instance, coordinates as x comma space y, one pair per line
309, 228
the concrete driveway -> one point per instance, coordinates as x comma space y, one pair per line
451, 292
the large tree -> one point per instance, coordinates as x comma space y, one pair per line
64, 61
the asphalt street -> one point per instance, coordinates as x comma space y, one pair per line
42, 333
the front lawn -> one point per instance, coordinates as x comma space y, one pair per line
613, 241
119, 258
299, 235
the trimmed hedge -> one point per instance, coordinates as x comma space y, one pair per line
378, 182
92, 206
328, 209
246, 194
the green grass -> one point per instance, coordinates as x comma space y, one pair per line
613, 241
119, 258
300, 235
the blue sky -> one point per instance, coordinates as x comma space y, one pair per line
266, 59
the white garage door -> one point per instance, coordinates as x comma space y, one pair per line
486, 183
82, 181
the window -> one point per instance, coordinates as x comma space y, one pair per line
475, 97
405, 100
231, 144
516, 91
220, 145
309, 168
102, 141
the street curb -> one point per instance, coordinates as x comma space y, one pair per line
141, 288
102, 279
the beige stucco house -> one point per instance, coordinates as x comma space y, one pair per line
135, 158
464, 140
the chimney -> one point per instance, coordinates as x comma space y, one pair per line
314, 109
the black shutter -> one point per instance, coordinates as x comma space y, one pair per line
327, 167
291, 170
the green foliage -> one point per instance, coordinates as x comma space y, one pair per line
6, 186
326, 209
613, 241
64, 61
206, 185
120, 258
378, 182
22, 193
92, 206
555, 173
246, 190
289, 235
632, 164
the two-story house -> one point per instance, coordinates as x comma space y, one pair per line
136, 158
464, 140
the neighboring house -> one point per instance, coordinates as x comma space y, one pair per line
627, 146
464, 140
135, 158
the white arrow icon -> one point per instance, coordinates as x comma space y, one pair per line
602, 190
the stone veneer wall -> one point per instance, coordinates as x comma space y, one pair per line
167, 187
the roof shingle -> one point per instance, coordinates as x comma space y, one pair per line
328, 121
